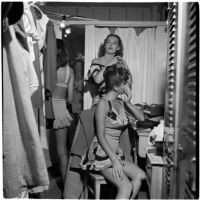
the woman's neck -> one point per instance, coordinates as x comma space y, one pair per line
107, 58
112, 95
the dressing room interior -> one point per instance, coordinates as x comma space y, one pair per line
99, 100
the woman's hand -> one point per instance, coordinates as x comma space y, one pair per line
117, 171
128, 94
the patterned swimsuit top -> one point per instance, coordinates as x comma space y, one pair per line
115, 120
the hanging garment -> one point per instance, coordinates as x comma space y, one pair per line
50, 67
23, 160
41, 25
31, 76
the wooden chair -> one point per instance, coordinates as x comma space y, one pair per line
96, 180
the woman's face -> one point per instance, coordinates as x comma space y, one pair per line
111, 45
78, 67
123, 88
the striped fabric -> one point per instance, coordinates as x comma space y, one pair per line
23, 160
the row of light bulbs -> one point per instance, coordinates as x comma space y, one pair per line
64, 26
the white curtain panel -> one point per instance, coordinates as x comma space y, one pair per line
146, 50
130, 40
146, 57
160, 76
100, 34
94, 37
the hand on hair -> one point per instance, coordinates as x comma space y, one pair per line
128, 94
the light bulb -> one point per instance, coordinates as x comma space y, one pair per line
62, 24
68, 30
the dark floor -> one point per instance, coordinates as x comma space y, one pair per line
55, 188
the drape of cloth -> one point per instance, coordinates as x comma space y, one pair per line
39, 105
94, 37
160, 78
38, 96
41, 20
23, 160
145, 59
83, 137
50, 67
31, 75
129, 41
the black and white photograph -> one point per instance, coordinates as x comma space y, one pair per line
100, 99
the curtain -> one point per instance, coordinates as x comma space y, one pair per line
145, 55
130, 44
94, 37
160, 76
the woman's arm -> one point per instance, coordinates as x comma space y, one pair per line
70, 87
139, 114
98, 77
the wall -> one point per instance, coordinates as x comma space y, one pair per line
111, 11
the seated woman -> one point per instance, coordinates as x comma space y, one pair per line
104, 154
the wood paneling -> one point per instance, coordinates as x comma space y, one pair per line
117, 14
101, 13
107, 12
135, 14
68, 10
86, 12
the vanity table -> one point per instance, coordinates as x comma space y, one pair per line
141, 142
154, 173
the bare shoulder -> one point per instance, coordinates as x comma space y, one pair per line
102, 105
96, 60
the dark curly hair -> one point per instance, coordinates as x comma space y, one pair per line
119, 52
62, 56
115, 75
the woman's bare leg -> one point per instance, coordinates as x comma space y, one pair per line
124, 186
136, 175
61, 141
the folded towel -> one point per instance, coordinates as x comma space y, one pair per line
156, 134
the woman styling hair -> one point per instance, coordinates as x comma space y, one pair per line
63, 94
111, 53
104, 154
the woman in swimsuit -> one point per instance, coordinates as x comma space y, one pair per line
104, 154
63, 94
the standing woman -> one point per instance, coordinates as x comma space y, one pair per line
63, 94
111, 52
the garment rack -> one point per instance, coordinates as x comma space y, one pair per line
141, 24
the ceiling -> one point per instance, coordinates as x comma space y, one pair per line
106, 4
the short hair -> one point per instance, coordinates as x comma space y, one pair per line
62, 56
115, 75
118, 52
